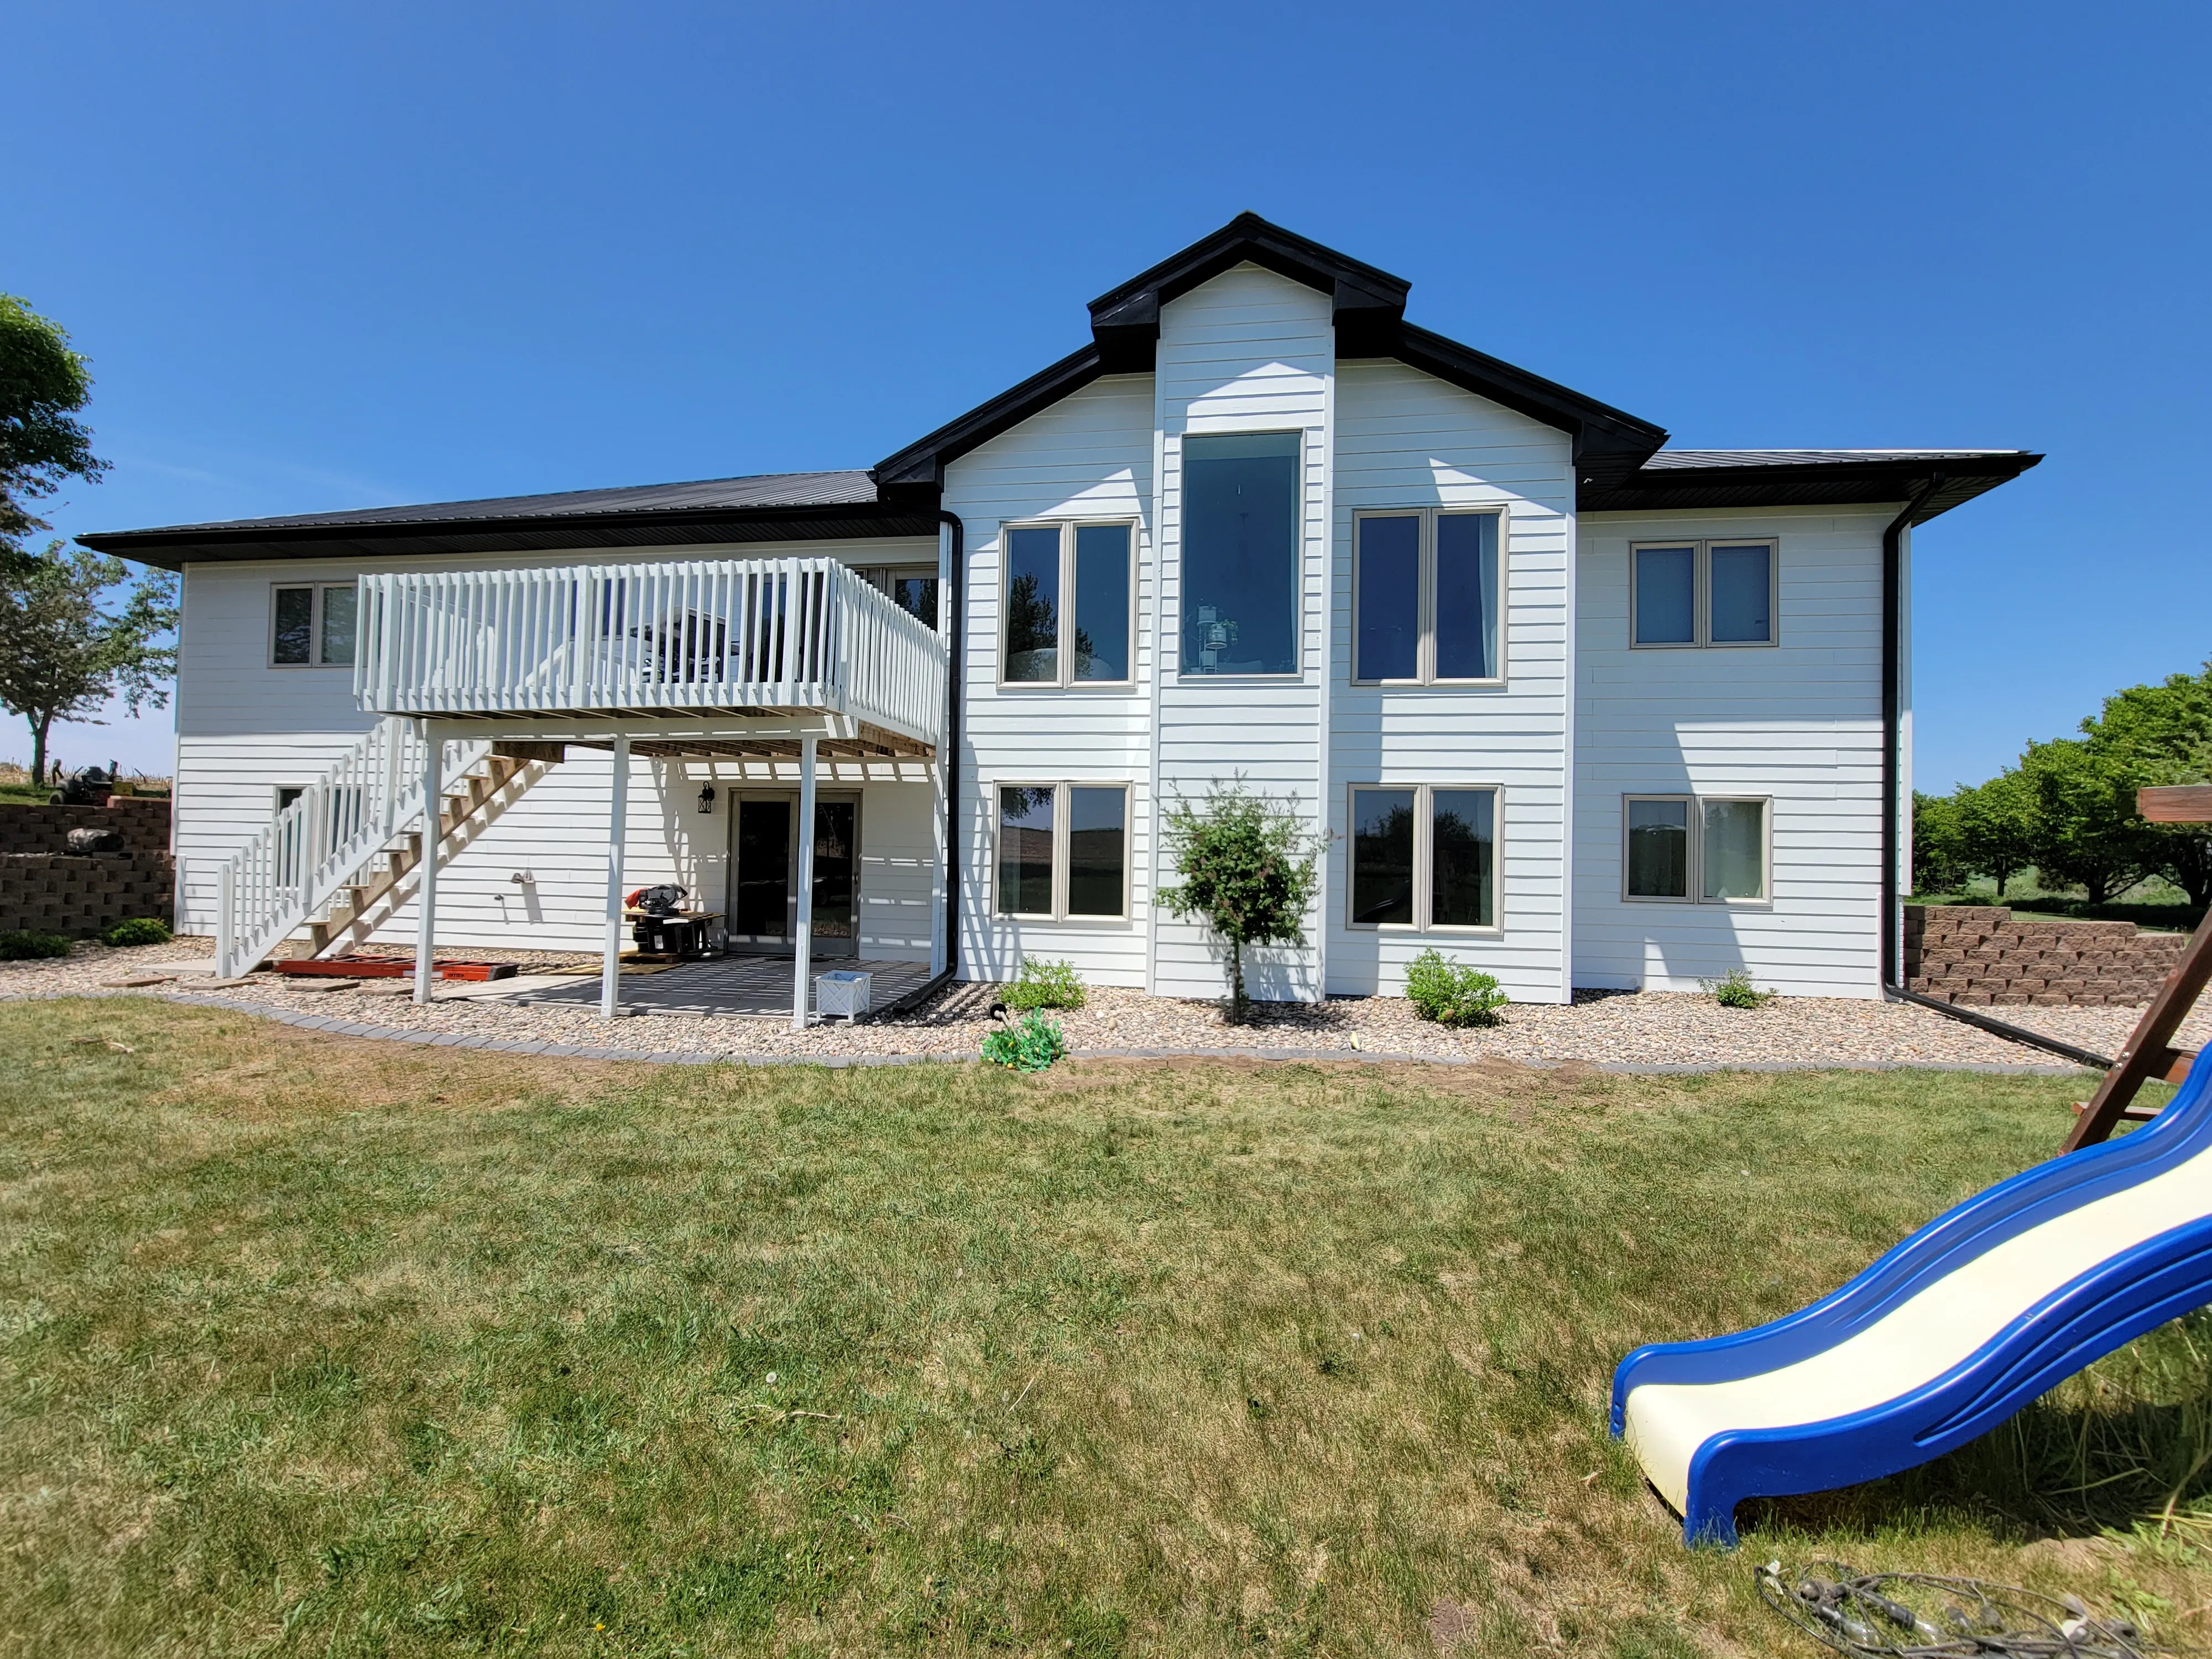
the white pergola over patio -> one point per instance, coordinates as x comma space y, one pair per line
776, 657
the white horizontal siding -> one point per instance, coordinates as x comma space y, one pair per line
1407, 439
1088, 456
1800, 722
1248, 351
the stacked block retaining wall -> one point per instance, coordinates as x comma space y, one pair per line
45, 887
1984, 955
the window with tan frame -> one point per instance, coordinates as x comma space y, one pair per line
1697, 849
1722, 594
1060, 851
1428, 596
311, 625
1424, 858
1069, 602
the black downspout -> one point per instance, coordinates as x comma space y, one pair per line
956, 587
1892, 650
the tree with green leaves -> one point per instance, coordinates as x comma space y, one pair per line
42, 383
1249, 870
1937, 866
2162, 734
71, 641
1996, 828
2087, 832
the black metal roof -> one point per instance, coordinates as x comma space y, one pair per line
1675, 479
771, 507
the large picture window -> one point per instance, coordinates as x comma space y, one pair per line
313, 627
1424, 857
1720, 593
1426, 597
1068, 601
1708, 849
1063, 851
1241, 536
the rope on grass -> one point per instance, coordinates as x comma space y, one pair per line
1920, 1616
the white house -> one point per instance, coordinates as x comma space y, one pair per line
1570, 706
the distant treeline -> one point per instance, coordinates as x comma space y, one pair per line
2067, 808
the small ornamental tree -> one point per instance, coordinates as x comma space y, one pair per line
69, 642
1249, 870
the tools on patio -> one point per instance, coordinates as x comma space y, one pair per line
1919, 1615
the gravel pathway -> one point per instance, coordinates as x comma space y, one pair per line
1610, 1029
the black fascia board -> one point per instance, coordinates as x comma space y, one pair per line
171, 550
1873, 481
918, 471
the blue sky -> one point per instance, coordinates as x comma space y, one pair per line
330, 255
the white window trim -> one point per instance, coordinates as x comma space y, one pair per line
315, 626
1064, 649
1426, 590
1694, 872
1297, 672
1424, 861
1062, 828
884, 577
1701, 609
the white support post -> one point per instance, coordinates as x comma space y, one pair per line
618, 817
939, 777
226, 930
803, 945
426, 889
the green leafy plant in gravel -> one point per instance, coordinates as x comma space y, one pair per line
1042, 984
1031, 1043
28, 944
1451, 993
317, 1346
1734, 989
138, 930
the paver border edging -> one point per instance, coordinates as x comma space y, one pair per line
694, 1057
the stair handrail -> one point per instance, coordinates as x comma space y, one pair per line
319, 843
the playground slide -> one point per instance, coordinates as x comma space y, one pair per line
1943, 1337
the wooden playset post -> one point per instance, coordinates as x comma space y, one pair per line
2150, 1052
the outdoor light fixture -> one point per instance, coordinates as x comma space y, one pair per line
707, 799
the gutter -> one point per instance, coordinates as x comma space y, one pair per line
956, 587
1893, 816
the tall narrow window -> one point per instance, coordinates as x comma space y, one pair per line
313, 626
1240, 553
1025, 849
1033, 606
1382, 857
1390, 597
1689, 848
1063, 851
1705, 594
1426, 598
1101, 602
1666, 596
1462, 834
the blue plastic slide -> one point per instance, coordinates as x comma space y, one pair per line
1941, 1338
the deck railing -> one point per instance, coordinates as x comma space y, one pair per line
716, 635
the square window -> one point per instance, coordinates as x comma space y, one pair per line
1666, 595
1659, 849
1097, 877
1467, 620
1734, 853
1025, 849
1742, 584
1032, 636
1462, 843
295, 626
1101, 602
1382, 857
1240, 553
1389, 600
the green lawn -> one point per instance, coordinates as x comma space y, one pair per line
311, 1346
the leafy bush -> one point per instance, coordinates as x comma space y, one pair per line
27, 944
1443, 991
1734, 989
1044, 985
138, 930
1030, 1045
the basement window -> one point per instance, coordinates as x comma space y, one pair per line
1063, 851
1424, 857
313, 626
1706, 849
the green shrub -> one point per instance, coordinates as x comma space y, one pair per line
1734, 989
1044, 985
138, 930
27, 944
1452, 995
1030, 1046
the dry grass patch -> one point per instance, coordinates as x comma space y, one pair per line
311, 1345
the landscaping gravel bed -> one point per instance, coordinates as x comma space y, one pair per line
1604, 1027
